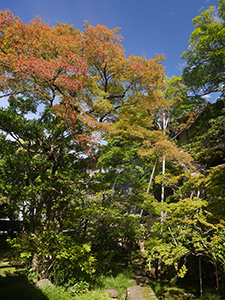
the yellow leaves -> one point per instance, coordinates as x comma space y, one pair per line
160, 146
182, 272
207, 224
185, 207
102, 104
172, 152
167, 179
149, 72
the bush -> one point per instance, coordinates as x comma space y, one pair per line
57, 257
172, 293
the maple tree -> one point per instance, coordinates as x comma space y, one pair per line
64, 89
139, 141
146, 164
67, 90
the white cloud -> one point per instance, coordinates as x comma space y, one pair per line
207, 97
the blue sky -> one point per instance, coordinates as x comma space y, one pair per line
148, 26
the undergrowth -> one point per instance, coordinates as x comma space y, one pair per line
18, 287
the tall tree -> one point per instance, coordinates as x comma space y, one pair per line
204, 73
64, 89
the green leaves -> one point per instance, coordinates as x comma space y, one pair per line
60, 254
205, 59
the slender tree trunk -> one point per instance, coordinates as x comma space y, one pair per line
163, 186
217, 276
174, 240
200, 274
35, 264
151, 177
38, 213
159, 268
165, 122
163, 173
61, 216
164, 126
162, 215
31, 216
150, 182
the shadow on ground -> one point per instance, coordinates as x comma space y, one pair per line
17, 287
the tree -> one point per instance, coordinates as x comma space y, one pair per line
64, 89
206, 137
204, 73
141, 141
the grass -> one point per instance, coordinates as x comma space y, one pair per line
17, 287
119, 282
14, 285
7, 269
56, 293
5, 266
4, 253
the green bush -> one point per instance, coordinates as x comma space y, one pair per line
58, 257
211, 295
171, 293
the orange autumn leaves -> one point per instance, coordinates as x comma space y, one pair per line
83, 76
42, 57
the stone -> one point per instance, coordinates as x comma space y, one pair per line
142, 280
113, 293
43, 283
137, 292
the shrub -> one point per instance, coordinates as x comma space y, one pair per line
54, 256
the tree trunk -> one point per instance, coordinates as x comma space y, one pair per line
158, 268
162, 212
163, 128
151, 177
163, 187
200, 274
164, 125
61, 215
217, 276
150, 182
35, 264
163, 173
